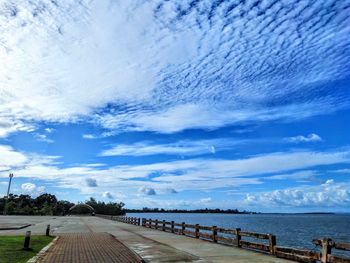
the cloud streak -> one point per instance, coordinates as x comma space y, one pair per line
191, 174
184, 147
312, 137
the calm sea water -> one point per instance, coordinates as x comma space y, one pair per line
294, 230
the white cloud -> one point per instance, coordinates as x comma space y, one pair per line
107, 195
205, 200
301, 176
147, 191
194, 116
43, 138
89, 136
173, 204
11, 158
11, 125
32, 189
90, 182
171, 191
192, 174
95, 165
310, 138
28, 187
169, 66
184, 147
49, 130
329, 194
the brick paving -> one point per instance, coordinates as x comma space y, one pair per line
89, 248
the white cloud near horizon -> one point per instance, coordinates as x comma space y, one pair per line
329, 194
166, 66
191, 174
146, 201
32, 189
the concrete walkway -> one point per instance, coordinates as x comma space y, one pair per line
158, 246
89, 248
151, 245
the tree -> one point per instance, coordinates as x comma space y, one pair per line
63, 207
111, 208
47, 204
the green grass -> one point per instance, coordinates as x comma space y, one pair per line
11, 248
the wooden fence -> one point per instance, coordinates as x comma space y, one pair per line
260, 242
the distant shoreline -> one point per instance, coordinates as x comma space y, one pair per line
240, 213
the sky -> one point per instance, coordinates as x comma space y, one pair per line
178, 104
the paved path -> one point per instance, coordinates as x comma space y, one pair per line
152, 245
89, 248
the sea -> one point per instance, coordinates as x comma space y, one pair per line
291, 230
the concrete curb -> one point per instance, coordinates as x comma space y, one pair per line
43, 251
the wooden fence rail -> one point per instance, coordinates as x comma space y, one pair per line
327, 245
260, 242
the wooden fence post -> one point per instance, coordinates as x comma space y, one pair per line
215, 234
150, 223
139, 221
272, 244
27, 241
172, 227
156, 226
183, 228
48, 230
326, 250
238, 237
197, 230
163, 226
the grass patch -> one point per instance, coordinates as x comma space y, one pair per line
11, 248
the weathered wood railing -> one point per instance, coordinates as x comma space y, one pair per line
265, 243
327, 245
215, 234
123, 219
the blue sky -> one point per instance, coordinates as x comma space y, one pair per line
178, 104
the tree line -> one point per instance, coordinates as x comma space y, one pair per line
48, 204
200, 211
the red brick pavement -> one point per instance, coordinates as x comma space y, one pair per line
89, 248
